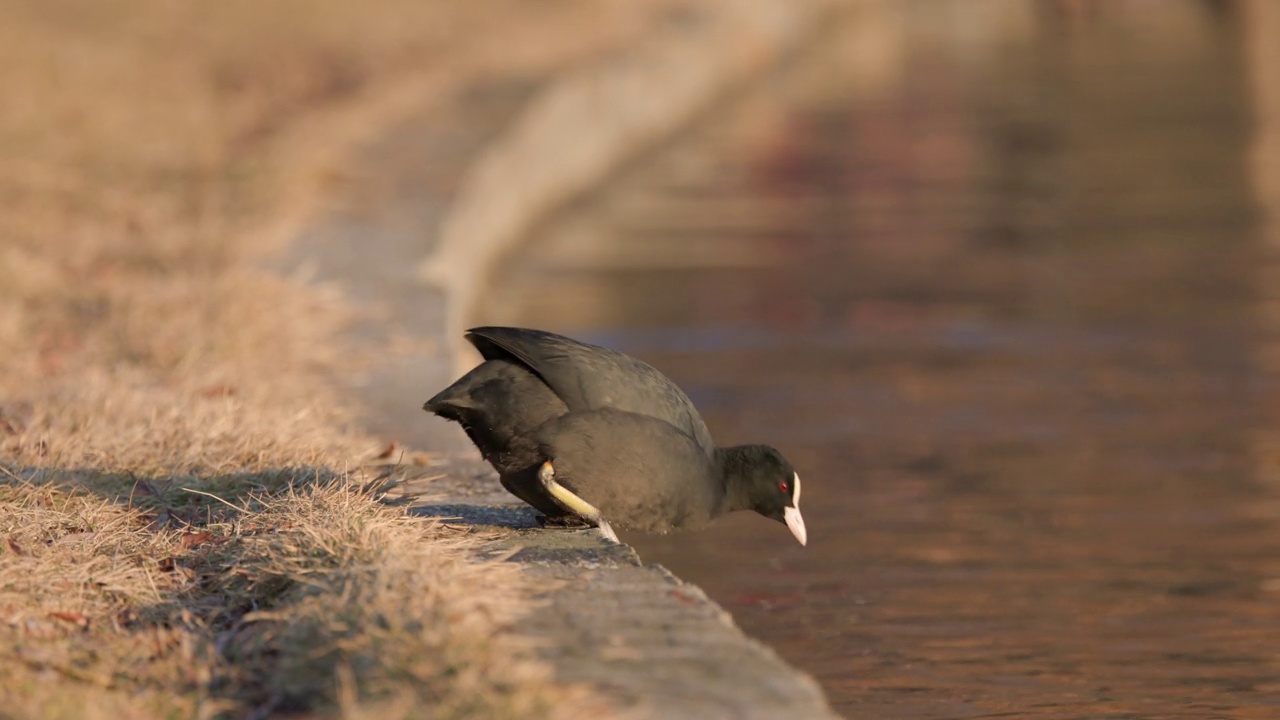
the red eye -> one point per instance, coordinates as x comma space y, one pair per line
783, 487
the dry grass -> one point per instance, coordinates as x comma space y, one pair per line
152, 152
310, 594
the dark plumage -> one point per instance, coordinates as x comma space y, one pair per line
579, 430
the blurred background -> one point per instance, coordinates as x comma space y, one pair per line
1000, 277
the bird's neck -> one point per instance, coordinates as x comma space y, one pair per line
731, 469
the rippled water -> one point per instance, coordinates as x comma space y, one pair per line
998, 284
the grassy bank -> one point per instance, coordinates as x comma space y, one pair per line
308, 594
190, 527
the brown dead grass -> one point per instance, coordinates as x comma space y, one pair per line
310, 591
153, 152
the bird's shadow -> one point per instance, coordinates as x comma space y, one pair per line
464, 492
469, 494
508, 516
532, 541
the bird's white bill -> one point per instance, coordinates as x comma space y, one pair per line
791, 515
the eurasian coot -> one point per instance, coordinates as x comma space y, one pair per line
582, 431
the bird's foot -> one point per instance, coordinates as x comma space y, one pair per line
562, 521
576, 505
607, 531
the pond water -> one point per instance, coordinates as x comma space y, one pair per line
994, 276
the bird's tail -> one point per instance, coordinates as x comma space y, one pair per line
448, 405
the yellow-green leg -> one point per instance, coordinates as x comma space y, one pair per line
580, 507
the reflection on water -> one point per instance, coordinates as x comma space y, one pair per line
998, 287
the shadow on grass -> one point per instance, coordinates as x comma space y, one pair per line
184, 496
462, 492
193, 500
178, 570
256, 594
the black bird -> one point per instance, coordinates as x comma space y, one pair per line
577, 430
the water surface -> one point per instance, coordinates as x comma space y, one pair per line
995, 281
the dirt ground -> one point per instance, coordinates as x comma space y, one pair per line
192, 526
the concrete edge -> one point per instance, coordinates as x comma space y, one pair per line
570, 136
642, 641
653, 645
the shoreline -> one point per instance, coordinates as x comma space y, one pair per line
442, 196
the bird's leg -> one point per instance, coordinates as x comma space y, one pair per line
564, 496
521, 486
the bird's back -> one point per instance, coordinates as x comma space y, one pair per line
586, 377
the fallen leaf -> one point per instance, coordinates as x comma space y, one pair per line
69, 616
387, 452
192, 539
15, 547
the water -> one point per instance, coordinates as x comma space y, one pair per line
994, 276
